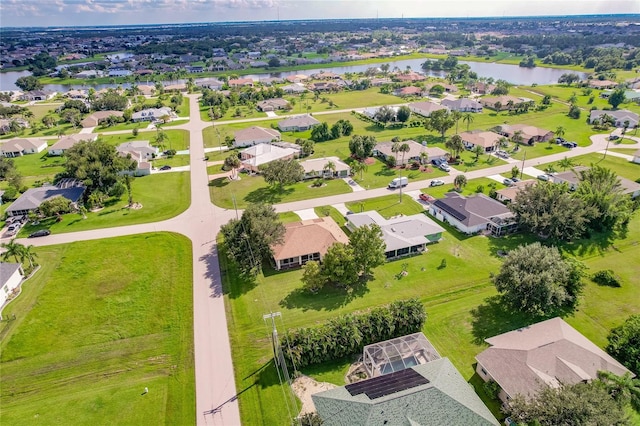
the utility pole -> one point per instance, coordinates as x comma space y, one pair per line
524, 157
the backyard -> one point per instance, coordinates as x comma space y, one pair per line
94, 328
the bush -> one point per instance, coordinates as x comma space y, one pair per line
349, 334
492, 389
606, 277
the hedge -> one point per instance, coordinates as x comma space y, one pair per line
349, 334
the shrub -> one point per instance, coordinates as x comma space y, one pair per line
606, 277
349, 334
491, 388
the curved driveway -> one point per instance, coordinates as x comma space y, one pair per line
216, 402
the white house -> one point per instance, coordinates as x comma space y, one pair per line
254, 135
10, 279
620, 117
68, 141
425, 108
317, 168
21, 146
255, 156
298, 123
152, 114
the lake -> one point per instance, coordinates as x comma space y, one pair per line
511, 73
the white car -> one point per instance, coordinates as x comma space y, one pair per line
543, 177
445, 167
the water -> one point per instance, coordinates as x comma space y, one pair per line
511, 73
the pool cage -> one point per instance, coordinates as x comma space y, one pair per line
397, 354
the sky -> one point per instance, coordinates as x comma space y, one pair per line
21, 13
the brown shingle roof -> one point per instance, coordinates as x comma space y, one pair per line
309, 236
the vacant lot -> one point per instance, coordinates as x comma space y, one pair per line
100, 322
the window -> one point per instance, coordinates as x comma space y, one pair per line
484, 371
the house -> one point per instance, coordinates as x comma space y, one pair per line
629, 95
141, 152
489, 141
10, 279
371, 112
473, 214
602, 84
448, 88
295, 88
37, 95
481, 88
425, 108
572, 179
239, 82
255, 135
307, 240
152, 114
297, 78
630, 187
7, 123
410, 77
98, 117
548, 353
316, 168
529, 134
404, 235
501, 103
298, 123
620, 117
383, 150
21, 146
255, 156
76, 94
409, 91
272, 104
462, 105
146, 90
31, 199
433, 393
66, 142
209, 83
507, 195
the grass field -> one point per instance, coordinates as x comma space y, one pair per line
459, 299
253, 189
388, 206
177, 139
619, 165
96, 325
162, 196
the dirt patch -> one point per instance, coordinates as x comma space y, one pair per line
369, 161
135, 206
304, 387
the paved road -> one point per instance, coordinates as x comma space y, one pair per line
215, 385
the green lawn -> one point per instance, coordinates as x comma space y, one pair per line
459, 299
470, 189
388, 206
178, 139
175, 161
619, 165
162, 196
40, 164
94, 327
253, 189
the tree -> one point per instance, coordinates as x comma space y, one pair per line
601, 190
559, 132
274, 62
517, 137
361, 147
368, 248
29, 83
624, 343
358, 167
623, 389
439, 121
404, 114
321, 133
339, 265
459, 182
248, 240
55, 206
160, 139
550, 211
615, 99
468, 118
578, 404
535, 279
574, 112
97, 164
455, 145
477, 151
515, 171
404, 148
12, 249
282, 172
384, 115
306, 147
26, 252
566, 163
312, 277
232, 162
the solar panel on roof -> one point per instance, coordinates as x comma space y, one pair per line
387, 384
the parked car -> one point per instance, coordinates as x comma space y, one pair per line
438, 161
543, 177
569, 144
399, 182
508, 182
614, 137
560, 141
436, 182
163, 168
445, 167
502, 154
426, 197
12, 230
40, 233
515, 179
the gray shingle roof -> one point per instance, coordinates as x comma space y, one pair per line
6, 271
471, 211
33, 197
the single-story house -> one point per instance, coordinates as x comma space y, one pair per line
572, 179
409, 77
425, 108
10, 279
179, 87
152, 114
307, 240
255, 156
630, 187
21, 146
297, 78
316, 167
76, 94
6, 123
254, 135
298, 123
629, 95
237, 82
548, 353
507, 195
530, 134
37, 95
602, 84
462, 105
325, 75
272, 104
384, 149
209, 83
501, 103
433, 393
487, 140
372, 111
619, 117
146, 90
98, 117
481, 88
409, 91
448, 88
141, 152
473, 214
294, 88
31, 199
66, 142
404, 235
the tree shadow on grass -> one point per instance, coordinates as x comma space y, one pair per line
219, 182
327, 299
231, 281
269, 195
386, 172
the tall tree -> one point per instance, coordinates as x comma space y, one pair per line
368, 248
439, 121
616, 98
478, 151
600, 189
28, 83
536, 279
339, 266
358, 167
232, 162
12, 249
624, 389
455, 145
468, 118
312, 277
249, 240
282, 172
403, 114
361, 147
459, 182
624, 343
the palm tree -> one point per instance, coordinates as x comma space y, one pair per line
330, 166
232, 162
559, 131
456, 116
459, 182
566, 163
358, 167
455, 145
517, 137
468, 118
424, 158
12, 249
478, 151
404, 148
27, 253
622, 388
